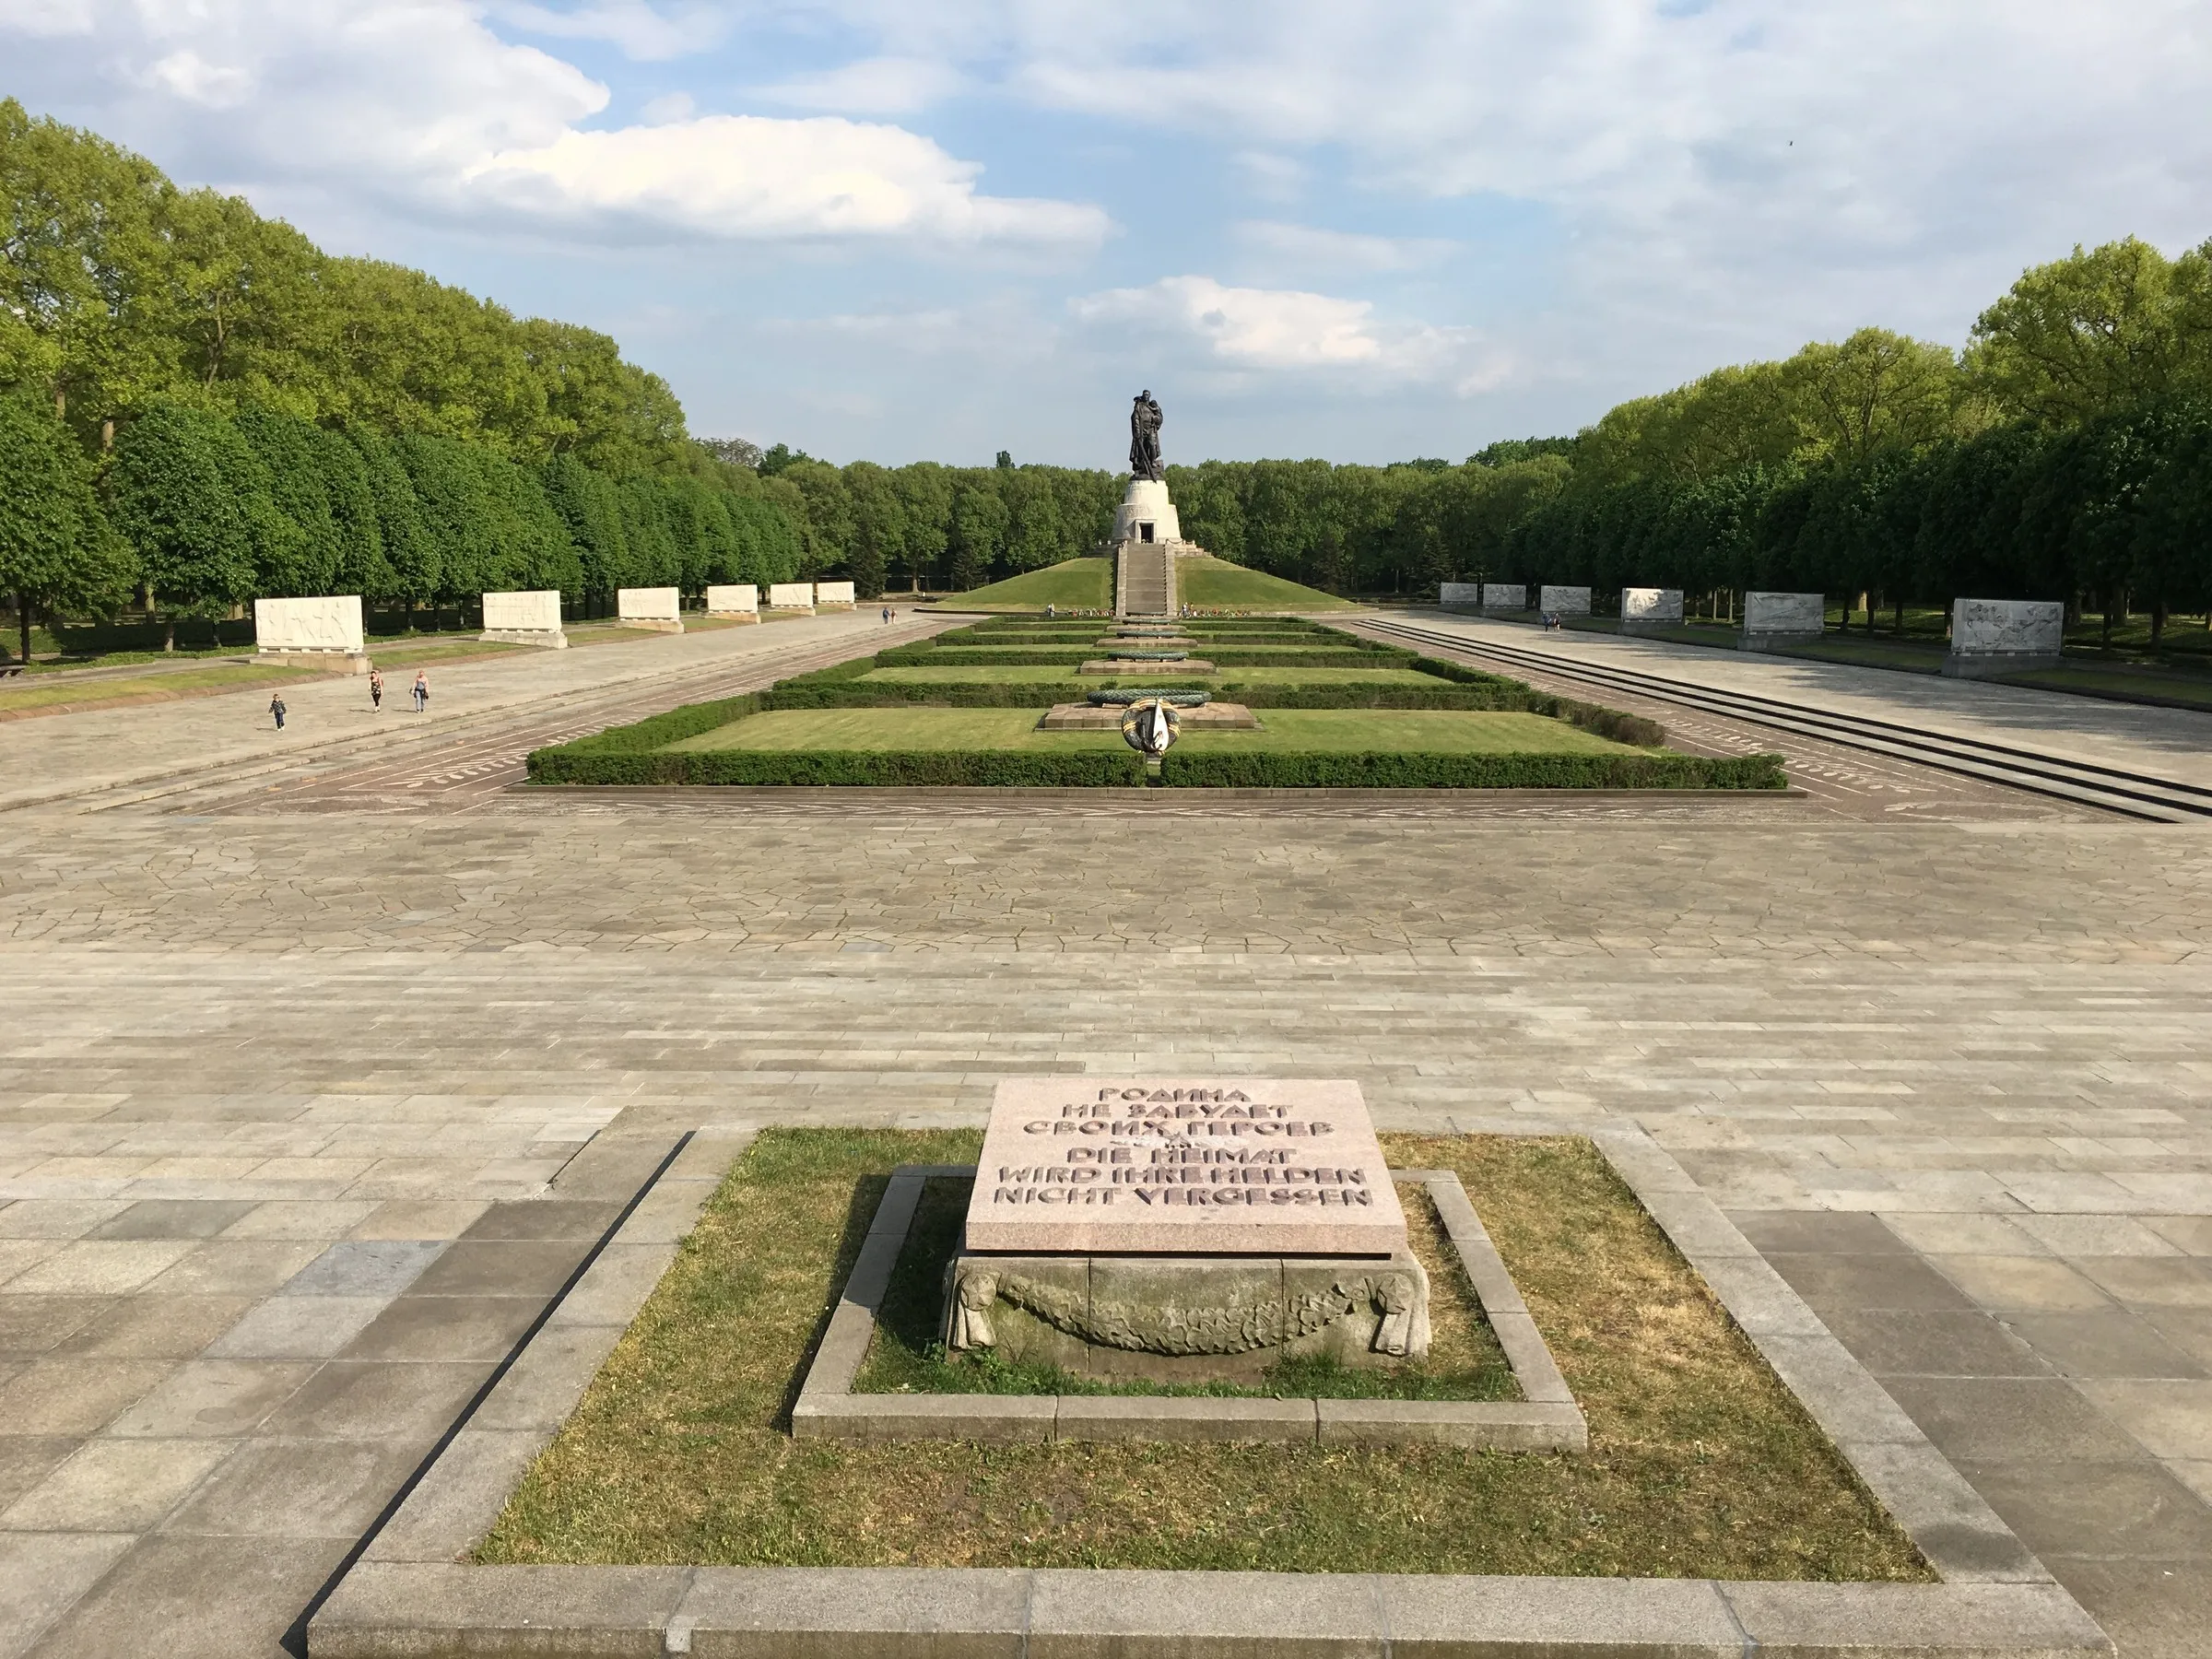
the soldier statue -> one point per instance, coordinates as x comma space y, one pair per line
1144, 437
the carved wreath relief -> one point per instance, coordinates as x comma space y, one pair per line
1229, 1328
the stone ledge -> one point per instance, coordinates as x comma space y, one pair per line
391, 1611
1546, 1418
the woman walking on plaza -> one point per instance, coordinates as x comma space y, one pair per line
422, 690
376, 691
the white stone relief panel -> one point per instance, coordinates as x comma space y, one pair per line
1504, 595
732, 598
1785, 612
1651, 604
537, 612
834, 592
2007, 627
1460, 593
648, 604
791, 595
1563, 601
331, 623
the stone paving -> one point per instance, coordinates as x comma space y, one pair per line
304, 1116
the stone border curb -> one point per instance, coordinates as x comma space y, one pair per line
409, 1596
1544, 1418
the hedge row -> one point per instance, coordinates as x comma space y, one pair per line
659, 730
1186, 769
865, 769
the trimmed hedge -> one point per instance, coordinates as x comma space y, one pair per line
862, 768
1183, 768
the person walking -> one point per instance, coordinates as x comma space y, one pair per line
376, 691
277, 708
887, 616
422, 690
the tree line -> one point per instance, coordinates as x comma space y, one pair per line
2065, 453
199, 407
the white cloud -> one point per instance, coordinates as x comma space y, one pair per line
1285, 329
879, 85
1309, 246
418, 101
632, 27
751, 176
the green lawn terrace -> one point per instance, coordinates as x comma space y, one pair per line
964, 710
1086, 586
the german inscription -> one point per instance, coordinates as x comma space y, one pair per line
1216, 1167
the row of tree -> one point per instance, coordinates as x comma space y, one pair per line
2063, 454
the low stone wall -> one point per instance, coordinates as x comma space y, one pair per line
1563, 601
525, 618
2004, 636
659, 608
1781, 618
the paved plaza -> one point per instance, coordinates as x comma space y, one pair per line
322, 1070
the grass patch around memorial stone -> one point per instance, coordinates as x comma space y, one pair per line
1701, 1464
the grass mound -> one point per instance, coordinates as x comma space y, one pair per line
1076, 584
1216, 584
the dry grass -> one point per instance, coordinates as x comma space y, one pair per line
1700, 1465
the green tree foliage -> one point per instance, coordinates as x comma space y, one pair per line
56, 550
978, 534
2098, 331
193, 500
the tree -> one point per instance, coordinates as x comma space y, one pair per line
1877, 390
977, 535
2093, 332
56, 547
191, 497
879, 526
925, 492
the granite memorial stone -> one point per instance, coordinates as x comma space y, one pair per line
1460, 596
833, 595
1184, 1229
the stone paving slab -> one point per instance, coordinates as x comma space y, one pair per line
2168, 742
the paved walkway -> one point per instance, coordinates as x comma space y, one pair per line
304, 1116
70, 756
2168, 742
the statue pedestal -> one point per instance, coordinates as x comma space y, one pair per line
1146, 515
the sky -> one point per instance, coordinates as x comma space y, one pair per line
907, 230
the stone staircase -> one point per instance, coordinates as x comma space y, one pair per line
1145, 584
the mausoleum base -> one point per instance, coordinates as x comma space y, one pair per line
329, 662
551, 639
1187, 1319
